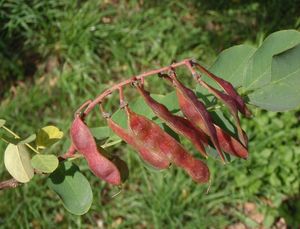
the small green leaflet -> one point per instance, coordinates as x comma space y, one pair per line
72, 187
17, 162
45, 163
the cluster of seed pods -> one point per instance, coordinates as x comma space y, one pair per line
155, 146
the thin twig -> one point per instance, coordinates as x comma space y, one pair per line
107, 92
8, 184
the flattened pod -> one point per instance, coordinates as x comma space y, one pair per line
196, 112
146, 153
232, 106
178, 124
230, 90
150, 133
230, 145
84, 142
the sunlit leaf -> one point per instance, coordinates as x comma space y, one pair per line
45, 163
47, 136
17, 162
72, 187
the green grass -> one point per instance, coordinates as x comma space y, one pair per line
56, 54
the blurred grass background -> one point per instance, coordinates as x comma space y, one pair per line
56, 54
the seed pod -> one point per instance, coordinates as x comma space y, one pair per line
228, 88
147, 154
84, 142
230, 145
196, 112
232, 106
177, 123
152, 135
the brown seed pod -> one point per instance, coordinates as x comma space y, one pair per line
196, 112
84, 142
152, 135
178, 124
228, 88
146, 153
232, 106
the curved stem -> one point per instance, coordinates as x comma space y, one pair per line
100, 97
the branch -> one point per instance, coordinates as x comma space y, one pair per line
8, 184
107, 92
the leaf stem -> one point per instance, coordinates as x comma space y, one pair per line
17, 136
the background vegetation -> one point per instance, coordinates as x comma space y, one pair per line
56, 54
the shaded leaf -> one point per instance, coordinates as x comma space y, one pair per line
258, 73
17, 162
122, 167
45, 163
282, 93
72, 187
101, 132
231, 64
27, 140
17, 141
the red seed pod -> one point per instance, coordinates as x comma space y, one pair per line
232, 106
196, 112
230, 145
152, 135
147, 154
84, 142
178, 124
228, 88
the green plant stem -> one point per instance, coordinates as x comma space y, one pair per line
17, 136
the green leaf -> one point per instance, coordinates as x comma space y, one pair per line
17, 162
231, 64
171, 132
282, 93
72, 187
2, 122
45, 163
122, 167
140, 107
101, 132
258, 72
47, 136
